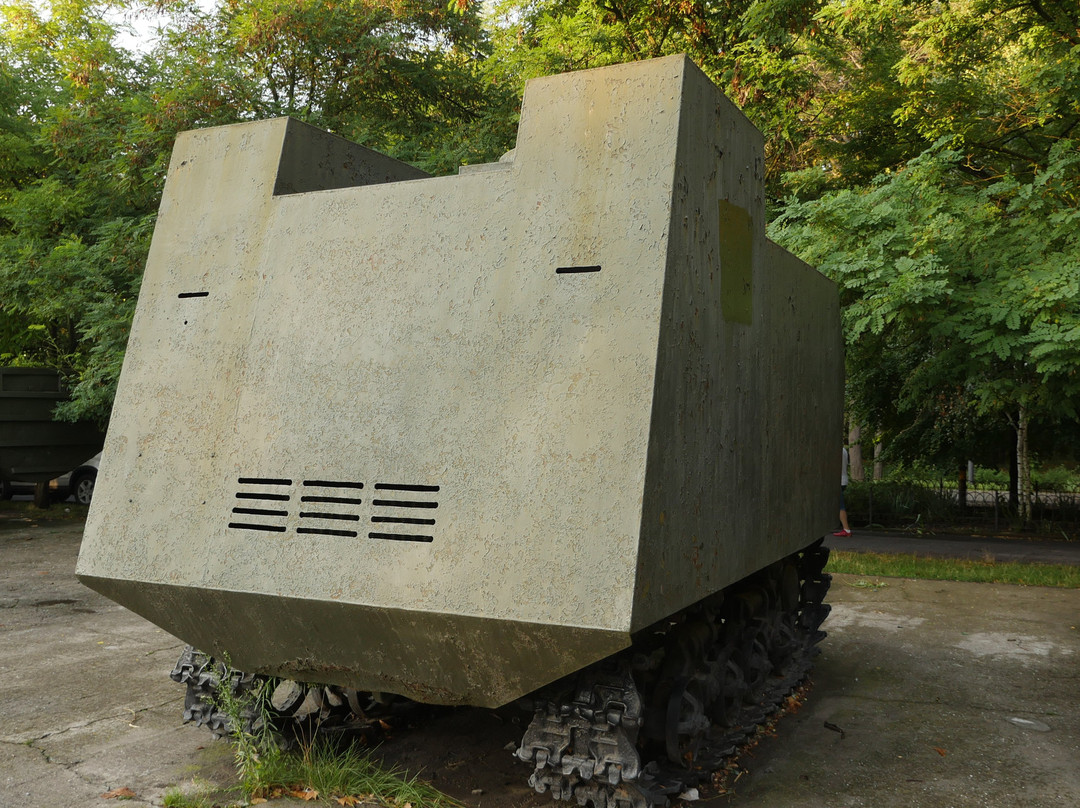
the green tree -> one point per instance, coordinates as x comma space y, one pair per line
998, 78
960, 298
92, 129
87, 129
842, 89
754, 49
404, 78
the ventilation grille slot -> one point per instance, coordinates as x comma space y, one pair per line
394, 511
329, 507
261, 504
404, 512
576, 270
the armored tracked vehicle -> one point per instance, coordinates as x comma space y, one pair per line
559, 429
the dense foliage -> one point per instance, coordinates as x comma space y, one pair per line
922, 153
959, 267
86, 129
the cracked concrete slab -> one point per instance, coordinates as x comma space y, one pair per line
87, 702
948, 695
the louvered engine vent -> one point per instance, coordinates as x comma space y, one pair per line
261, 504
329, 508
404, 512
395, 511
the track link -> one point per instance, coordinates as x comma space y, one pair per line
710, 676
294, 708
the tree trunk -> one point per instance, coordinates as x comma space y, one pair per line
1014, 488
1023, 465
42, 495
856, 471
879, 467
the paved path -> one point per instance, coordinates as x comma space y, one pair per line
955, 546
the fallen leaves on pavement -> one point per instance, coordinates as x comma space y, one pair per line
118, 794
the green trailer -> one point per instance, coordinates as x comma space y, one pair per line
34, 447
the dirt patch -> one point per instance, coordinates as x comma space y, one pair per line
466, 753
23, 516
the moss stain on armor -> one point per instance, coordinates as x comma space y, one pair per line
736, 263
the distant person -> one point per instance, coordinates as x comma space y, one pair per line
845, 529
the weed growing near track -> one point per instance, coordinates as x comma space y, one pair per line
313, 769
321, 768
202, 796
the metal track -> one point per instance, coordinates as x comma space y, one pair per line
203, 674
686, 696
711, 677
293, 706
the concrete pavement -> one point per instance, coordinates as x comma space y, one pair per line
87, 703
948, 695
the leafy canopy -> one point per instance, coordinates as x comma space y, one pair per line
86, 129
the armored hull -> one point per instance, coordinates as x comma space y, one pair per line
457, 438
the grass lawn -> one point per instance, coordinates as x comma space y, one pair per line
952, 569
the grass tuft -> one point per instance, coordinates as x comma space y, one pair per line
335, 772
200, 795
987, 570
315, 769
255, 746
